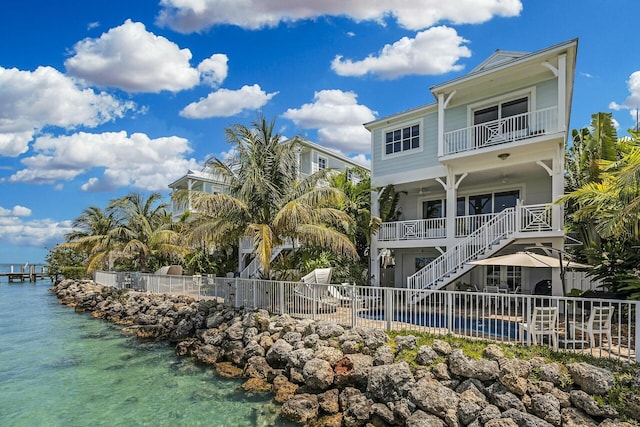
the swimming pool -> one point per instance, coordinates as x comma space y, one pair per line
469, 326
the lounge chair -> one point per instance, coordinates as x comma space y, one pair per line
311, 294
543, 322
599, 322
350, 295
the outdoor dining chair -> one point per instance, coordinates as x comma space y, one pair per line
599, 322
543, 322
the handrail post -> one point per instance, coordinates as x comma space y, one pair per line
388, 308
637, 339
281, 286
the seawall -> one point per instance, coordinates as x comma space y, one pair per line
326, 375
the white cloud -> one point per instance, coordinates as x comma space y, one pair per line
214, 70
133, 59
31, 100
127, 160
227, 103
362, 159
433, 51
195, 15
16, 211
633, 100
35, 233
338, 118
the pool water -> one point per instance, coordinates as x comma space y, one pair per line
469, 326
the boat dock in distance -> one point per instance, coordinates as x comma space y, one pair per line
21, 273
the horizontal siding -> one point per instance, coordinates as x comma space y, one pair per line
546, 94
413, 160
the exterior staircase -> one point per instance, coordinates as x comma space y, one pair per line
253, 269
494, 235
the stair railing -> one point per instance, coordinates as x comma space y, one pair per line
470, 248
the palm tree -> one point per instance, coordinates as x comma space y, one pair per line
93, 234
267, 201
145, 229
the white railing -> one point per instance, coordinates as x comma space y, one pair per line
535, 218
481, 315
467, 224
500, 226
417, 229
508, 129
530, 218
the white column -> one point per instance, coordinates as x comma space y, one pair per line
451, 207
440, 125
374, 262
562, 92
557, 187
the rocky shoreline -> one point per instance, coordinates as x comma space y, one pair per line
327, 375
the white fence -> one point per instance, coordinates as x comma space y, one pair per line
577, 325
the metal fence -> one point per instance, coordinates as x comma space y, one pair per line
600, 327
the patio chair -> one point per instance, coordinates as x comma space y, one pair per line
305, 290
599, 322
493, 296
543, 322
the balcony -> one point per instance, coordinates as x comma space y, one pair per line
528, 219
510, 129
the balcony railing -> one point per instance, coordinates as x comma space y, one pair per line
417, 229
529, 218
501, 131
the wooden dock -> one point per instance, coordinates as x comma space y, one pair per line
25, 272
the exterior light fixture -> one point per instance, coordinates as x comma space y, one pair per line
503, 156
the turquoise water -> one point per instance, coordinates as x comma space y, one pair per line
62, 368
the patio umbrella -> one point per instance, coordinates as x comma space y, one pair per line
528, 259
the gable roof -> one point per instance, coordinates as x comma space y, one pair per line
499, 57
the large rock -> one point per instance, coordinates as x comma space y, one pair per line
573, 417
588, 404
591, 379
301, 408
326, 329
482, 369
503, 398
318, 374
387, 383
426, 355
330, 354
433, 397
524, 419
278, 354
405, 342
547, 407
422, 419
353, 369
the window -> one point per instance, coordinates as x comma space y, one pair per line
322, 163
433, 209
504, 121
404, 139
479, 204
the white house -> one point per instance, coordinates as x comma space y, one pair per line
478, 172
311, 157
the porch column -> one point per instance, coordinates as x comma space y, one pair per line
556, 280
374, 261
562, 92
450, 189
440, 125
557, 188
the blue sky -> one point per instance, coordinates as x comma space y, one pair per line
101, 98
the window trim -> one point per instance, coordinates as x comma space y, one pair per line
326, 162
400, 126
